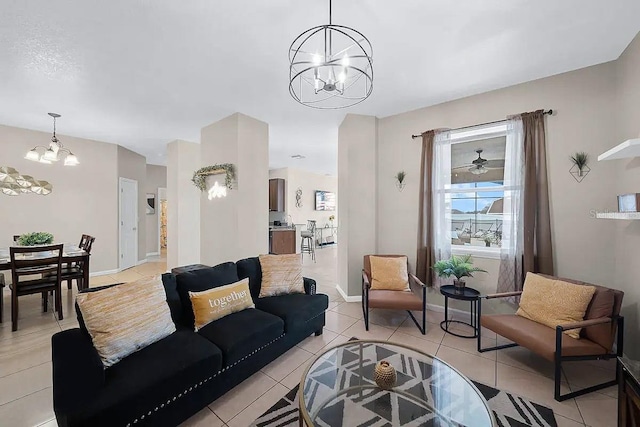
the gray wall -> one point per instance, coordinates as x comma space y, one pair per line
84, 199
134, 166
627, 250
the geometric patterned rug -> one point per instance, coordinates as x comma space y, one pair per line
508, 409
375, 407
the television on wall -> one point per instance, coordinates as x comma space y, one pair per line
325, 201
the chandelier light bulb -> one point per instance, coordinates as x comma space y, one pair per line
50, 155
345, 60
342, 77
71, 160
32, 155
317, 59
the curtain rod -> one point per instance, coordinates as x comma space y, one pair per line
547, 112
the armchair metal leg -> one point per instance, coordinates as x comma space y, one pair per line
559, 358
497, 347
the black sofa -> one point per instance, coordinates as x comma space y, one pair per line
172, 379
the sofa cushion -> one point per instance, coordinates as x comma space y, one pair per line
537, 337
389, 273
239, 334
118, 327
281, 274
150, 377
295, 309
250, 268
221, 301
201, 280
554, 302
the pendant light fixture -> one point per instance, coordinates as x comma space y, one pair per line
54, 152
330, 66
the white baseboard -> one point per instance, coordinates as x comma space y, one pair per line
153, 254
104, 272
141, 261
348, 298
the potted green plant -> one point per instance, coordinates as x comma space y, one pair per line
580, 159
487, 241
400, 176
36, 238
458, 266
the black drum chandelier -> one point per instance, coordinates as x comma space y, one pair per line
331, 67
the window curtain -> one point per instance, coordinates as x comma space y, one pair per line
512, 250
538, 252
434, 219
526, 240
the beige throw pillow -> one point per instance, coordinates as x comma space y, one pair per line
216, 303
126, 318
281, 274
389, 273
554, 302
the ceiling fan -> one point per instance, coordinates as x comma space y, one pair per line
480, 166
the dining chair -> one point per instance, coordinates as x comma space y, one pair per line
1, 295
75, 270
43, 261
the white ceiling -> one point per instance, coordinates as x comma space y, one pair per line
144, 72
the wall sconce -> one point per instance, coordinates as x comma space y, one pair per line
217, 191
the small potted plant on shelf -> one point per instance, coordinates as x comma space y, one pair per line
487, 241
34, 239
458, 266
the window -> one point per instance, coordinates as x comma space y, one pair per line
475, 197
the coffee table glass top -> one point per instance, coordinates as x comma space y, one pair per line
338, 389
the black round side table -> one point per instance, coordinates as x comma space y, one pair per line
464, 294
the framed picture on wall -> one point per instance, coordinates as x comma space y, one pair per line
151, 204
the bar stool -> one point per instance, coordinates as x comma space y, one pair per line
308, 243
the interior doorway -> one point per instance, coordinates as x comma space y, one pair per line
128, 221
162, 223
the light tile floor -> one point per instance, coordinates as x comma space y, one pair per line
25, 359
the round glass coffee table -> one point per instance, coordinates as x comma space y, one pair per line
338, 389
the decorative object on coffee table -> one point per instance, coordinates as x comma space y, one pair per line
459, 266
385, 375
465, 294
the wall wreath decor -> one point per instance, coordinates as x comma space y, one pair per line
200, 176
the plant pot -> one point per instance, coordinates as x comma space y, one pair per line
385, 375
487, 244
459, 285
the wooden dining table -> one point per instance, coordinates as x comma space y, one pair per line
70, 253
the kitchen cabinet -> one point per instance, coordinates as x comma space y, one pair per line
276, 195
282, 241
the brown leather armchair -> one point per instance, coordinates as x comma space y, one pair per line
601, 328
393, 300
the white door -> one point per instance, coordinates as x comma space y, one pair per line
128, 223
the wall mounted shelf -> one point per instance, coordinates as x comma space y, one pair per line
618, 215
628, 149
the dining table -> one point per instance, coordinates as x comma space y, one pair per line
70, 253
